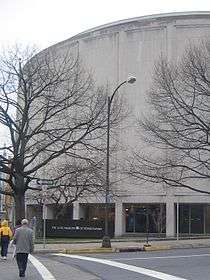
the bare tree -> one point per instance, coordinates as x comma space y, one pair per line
158, 216
77, 179
50, 107
177, 129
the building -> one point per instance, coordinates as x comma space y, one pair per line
114, 51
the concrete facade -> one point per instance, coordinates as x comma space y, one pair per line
131, 47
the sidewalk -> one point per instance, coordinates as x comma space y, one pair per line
124, 245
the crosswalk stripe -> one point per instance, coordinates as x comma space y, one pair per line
44, 272
141, 270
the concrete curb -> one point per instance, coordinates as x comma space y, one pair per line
88, 251
119, 250
99, 250
189, 246
156, 247
129, 249
46, 251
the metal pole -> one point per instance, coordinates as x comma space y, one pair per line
44, 225
107, 166
106, 243
147, 225
177, 220
44, 189
106, 239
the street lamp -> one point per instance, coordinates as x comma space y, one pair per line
106, 243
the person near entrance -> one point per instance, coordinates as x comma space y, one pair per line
23, 239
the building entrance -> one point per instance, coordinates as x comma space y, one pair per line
192, 218
145, 218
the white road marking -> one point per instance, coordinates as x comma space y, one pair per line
160, 257
44, 272
141, 270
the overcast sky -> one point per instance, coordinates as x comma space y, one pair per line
46, 22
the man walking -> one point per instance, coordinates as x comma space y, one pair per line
23, 239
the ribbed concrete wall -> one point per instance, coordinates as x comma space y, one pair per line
114, 51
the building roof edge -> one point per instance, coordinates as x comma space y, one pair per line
142, 18
130, 20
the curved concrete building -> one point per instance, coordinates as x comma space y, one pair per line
130, 47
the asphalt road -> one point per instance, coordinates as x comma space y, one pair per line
187, 264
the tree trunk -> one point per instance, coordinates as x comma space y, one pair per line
19, 206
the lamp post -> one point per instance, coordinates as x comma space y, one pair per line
106, 243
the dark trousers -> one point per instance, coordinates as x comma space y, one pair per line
22, 259
4, 245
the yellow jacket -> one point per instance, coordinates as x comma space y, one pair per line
5, 229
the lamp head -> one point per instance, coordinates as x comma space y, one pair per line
131, 80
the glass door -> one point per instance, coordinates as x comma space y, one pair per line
140, 220
184, 218
191, 218
197, 219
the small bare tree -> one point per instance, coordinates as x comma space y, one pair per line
50, 107
178, 128
158, 217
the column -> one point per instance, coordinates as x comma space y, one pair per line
76, 211
170, 217
49, 212
119, 219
